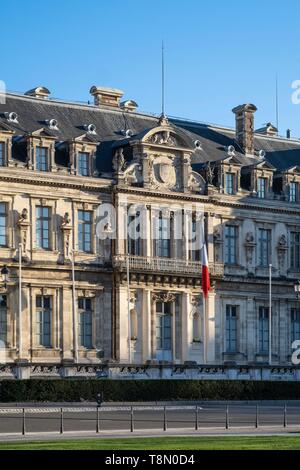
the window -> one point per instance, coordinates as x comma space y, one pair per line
261, 188
195, 252
293, 191
264, 247
295, 250
85, 231
85, 316
231, 328
3, 224
43, 227
134, 235
3, 321
43, 313
295, 324
231, 238
2, 154
83, 164
229, 183
163, 245
163, 326
42, 158
263, 330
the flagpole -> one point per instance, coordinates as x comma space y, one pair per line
204, 330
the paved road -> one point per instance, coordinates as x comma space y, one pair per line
146, 418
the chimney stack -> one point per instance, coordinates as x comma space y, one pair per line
106, 96
39, 92
244, 119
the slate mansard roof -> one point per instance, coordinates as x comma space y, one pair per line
111, 122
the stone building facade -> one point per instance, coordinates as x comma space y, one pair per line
61, 162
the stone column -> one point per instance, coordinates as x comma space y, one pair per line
185, 324
122, 324
25, 324
251, 329
187, 220
210, 331
146, 325
284, 338
67, 324
153, 329
173, 323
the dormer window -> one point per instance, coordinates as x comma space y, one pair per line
293, 191
83, 164
229, 183
2, 154
261, 187
41, 158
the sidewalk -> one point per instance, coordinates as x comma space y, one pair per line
143, 433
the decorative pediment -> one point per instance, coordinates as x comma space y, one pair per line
6, 128
230, 160
166, 136
86, 137
43, 132
293, 170
264, 165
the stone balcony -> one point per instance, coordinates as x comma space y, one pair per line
165, 265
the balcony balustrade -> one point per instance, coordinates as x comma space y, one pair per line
164, 265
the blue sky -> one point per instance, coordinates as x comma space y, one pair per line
218, 54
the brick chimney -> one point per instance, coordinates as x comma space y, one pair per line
244, 126
106, 96
39, 92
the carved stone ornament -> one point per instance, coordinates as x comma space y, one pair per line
133, 173
217, 235
163, 138
196, 300
210, 169
281, 250
249, 246
119, 162
66, 232
23, 224
66, 219
163, 297
249, 237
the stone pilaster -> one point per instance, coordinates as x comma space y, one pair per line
185, 326
67, 324
210, 330
146, 325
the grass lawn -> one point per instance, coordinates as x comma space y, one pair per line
164, 443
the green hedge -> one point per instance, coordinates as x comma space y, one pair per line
152, 390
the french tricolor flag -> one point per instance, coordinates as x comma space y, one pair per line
205, 270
